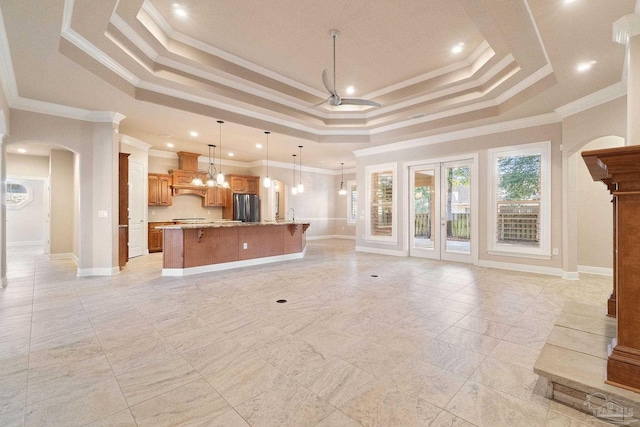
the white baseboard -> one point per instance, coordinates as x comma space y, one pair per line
3, 282
380, 251
34, 243
600, 271
331, 236
522, 267
179, 272
570, 275
108, 271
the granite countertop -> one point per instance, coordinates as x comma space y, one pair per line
228, 224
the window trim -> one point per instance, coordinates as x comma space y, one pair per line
493, 247
26, 201
350, 205
369, 170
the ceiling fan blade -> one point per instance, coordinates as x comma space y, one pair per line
355, 101
327, 83
318, 104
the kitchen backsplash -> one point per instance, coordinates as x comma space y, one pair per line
184, 206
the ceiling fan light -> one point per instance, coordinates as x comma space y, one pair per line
342, 192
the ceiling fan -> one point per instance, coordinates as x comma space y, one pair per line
334, 99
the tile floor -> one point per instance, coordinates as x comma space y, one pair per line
424, 343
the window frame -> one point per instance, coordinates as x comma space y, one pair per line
23, 203
544, 250
369, 171
352, 205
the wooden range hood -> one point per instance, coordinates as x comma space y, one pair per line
184, 175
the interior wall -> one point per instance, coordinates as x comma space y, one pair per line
342, 227
62, 183
25, 166
595, 214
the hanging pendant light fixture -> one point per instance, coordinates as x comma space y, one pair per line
211, 182
300, 186
267, 180
220, 177
342, 191
294, 189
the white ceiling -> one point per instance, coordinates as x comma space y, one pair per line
257, 65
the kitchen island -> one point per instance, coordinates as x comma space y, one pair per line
200, 248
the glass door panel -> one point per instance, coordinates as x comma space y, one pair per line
424, 211
456, 211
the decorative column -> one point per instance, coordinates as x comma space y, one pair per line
619, 169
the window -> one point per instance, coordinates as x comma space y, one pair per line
18, 195
352, 202
521, 200
381, 203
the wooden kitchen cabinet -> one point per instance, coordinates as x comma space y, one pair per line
215, 197
244, 184
156, 236
159, 189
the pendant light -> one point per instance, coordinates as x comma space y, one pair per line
220, 177
211, 182
267, 180
294, 189
342, 190
300, 186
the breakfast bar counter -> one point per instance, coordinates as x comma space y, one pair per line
205, 247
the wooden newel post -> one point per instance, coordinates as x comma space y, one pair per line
619, 169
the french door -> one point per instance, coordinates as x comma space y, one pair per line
441, 210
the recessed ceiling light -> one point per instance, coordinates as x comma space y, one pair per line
585, 66
21, 150
351, 90
258, 145
457, 48
178, 10
193, 133
170, 145
231, 154
569, 1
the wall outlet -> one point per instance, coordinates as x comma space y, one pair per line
102, 214
555, 251
153, 213
245, 246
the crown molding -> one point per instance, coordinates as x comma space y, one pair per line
133, 142
7, 76
626, 27
543, 119
49, 108
593, 100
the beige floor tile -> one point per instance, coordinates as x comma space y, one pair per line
13, 384
119, 419
486, 407
373, 358
286, 404
445, 419
130, 356
447, 356
198, 337
425, 381
244, 380
508, 378
516, 354
422, 326
155, 378
336, 381
470, 340
79, 407
74, 351
191, 404
215, 357
599, 325
12, 418
382, 404
45, 382
584, 342
338, 419
483, 326
527, 337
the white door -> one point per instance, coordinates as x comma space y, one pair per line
137, 205
441, 211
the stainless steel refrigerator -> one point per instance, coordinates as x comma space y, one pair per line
246, 208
